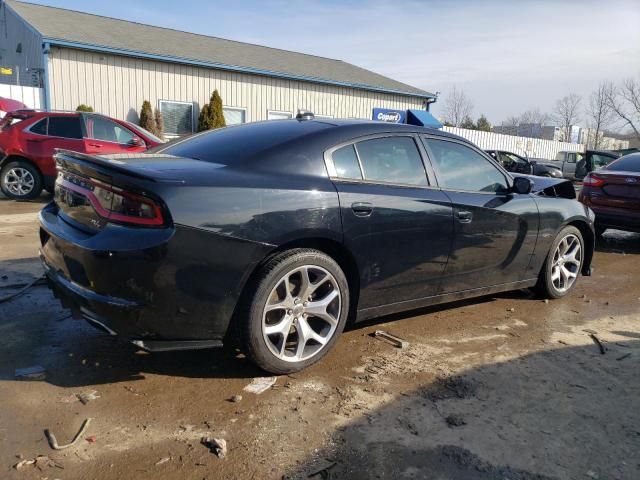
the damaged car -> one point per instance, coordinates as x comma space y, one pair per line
281, 232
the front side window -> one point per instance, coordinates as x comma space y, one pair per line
234, 116
107, 130
600, 161
177, 117
462, 168
392, 160
66, 127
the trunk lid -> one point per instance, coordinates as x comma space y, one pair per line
92, 191
620, 190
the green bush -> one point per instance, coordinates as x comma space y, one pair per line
159, 124
84, 108
212, 116
146, 117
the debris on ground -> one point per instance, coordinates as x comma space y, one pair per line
6, 298
626, 355
260, 384
163, 460
396, 341
40, 461
451, 387
323, 472
86, 397
53, 443
92, 439
36, 372
597, 341
455, 420
236, 399
215, 445
511, 309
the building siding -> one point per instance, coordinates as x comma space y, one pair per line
117, 85
26, 65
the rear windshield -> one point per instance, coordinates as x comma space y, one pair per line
230, 145
628, 163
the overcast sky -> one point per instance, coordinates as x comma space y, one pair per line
508, 56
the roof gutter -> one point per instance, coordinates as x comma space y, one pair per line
231, 68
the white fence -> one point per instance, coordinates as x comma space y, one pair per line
31, 96
533, 147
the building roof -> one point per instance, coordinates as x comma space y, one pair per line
75, 29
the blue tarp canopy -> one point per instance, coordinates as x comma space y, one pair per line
422, 118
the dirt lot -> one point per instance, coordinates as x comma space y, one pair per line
496, 388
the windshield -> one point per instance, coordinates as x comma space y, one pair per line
147, 133
9, 120
628, 163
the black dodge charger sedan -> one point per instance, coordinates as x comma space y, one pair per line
284, 230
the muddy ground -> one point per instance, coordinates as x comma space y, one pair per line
504, 387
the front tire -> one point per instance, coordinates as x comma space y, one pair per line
297, 313
20, 180
563, 264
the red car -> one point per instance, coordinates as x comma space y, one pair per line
28, 139
613, 193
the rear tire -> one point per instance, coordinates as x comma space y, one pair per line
20, 180
563, 264
297, 310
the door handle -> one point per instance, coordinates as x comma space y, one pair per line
97, 145
464, 216
362, 209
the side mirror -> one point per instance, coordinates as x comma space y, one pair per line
136, 142
522, 185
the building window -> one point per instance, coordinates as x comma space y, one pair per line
277, 115
234, 115
177, 117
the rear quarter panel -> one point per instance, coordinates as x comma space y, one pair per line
555, 213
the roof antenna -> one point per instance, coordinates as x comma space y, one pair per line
304, 115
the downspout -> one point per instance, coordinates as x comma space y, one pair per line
46, 47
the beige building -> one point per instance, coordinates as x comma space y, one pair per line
114, 65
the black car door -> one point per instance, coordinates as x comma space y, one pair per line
495, 229
398, 227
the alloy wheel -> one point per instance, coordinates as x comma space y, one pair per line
19, 181
302, 313
567, 260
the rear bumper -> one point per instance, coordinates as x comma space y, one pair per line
163, 289
612, 218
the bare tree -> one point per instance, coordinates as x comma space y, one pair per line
534, 116
457, 107
567, 113
599, 113
624, 101
511, 121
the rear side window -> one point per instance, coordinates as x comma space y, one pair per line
462, 168
345, 162
392, 160
67, 127
40, 127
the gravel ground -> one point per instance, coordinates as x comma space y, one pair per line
498, 387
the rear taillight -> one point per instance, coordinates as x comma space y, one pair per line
114, 203
593, 180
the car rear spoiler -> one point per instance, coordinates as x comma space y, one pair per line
96, 166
